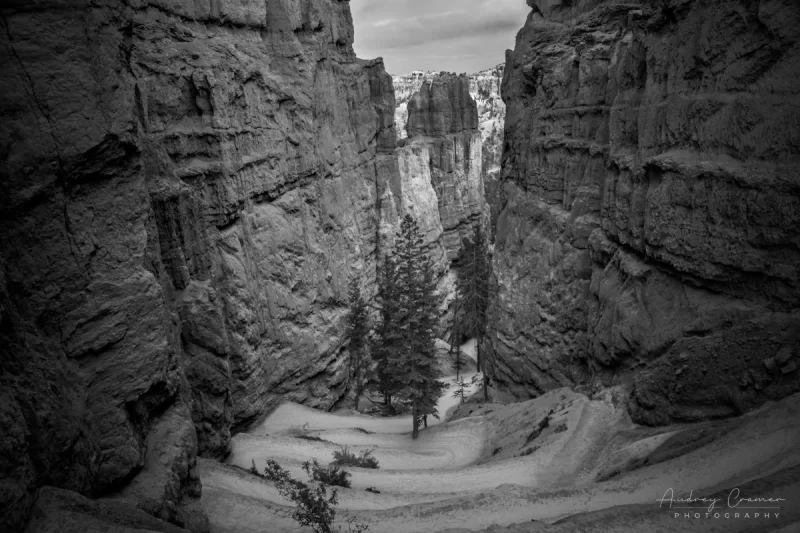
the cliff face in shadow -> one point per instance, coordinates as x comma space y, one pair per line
186, 188
647, 228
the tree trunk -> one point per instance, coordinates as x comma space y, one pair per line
478, 343
415, 418
478, 354
453, 347
358, 382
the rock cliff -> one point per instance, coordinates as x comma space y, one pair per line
484, 87
647, 227
186, 187
438, 176
443, 136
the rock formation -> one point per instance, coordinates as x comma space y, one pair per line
405, 86
484, 87
647, 228
438, 178
186, 188
443, 135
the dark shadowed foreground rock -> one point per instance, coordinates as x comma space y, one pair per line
61, 511
185, 189
647, 228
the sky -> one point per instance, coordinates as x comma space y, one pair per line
452, 35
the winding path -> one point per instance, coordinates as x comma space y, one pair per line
449, 478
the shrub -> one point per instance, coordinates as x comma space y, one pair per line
314, 507
332, 475
346, 457
560, 428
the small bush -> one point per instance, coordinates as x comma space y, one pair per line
496, 451
372, 490
315, 507
332, 475
560, 428
363, 460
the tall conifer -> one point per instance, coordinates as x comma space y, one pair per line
386, 341
417, 321
473, 285
358, 336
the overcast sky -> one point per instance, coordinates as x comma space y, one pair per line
452, 35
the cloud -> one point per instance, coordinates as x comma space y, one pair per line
455, 35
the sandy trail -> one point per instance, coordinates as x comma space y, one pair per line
448, 477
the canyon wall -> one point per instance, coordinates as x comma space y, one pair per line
440, 179
484, 87
443, 135
186, 188
647, 224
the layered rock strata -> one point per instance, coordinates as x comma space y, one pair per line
484, 87
647, 227
186, 188
444, 147
435, 175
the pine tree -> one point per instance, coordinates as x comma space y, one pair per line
358, 336
461, 390
455, 335
417, 316
386, 342
473, 284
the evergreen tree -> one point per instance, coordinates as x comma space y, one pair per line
455, 336
473, 285
417, 314
460, 391
358, 335
386, 340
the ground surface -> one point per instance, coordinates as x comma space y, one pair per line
507, 465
